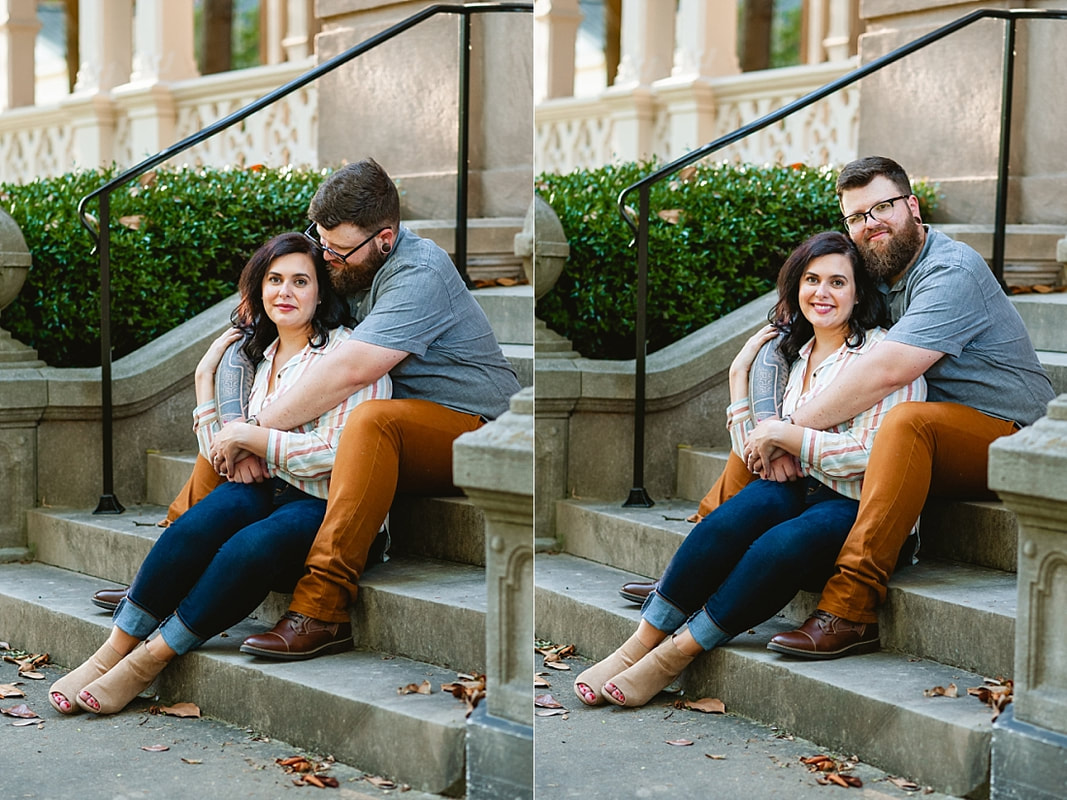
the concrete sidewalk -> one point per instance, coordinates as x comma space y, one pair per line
620, 753
86, 757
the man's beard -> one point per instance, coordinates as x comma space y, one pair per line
888, 259
349, 279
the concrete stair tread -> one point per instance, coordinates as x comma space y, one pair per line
347, 703
400, 609
953, 613
891, 724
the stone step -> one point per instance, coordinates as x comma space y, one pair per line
871, 705
1045, 316
449, 528
984, 533
953, 612
399, 609
345, 704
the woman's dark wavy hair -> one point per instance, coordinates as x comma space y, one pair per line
786, 314
251, 317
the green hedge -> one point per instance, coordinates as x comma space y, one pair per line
179, 238
718, 235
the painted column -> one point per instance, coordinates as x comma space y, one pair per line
495, 468
555, 33
18, 33
300, 29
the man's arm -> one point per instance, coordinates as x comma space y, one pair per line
336, 376
886, 368
325, 385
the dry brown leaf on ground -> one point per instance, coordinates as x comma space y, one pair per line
844, 780
177, 710
547, 701
22, 723
11, 690
941, 691
295, 764
416, 688
819, 763
997, 694
470, 689
4, 646
707, 705
540, 682
551, 712
679, 742
715, 757
321, 781
21, 710
191, 760
558, 665
155, 748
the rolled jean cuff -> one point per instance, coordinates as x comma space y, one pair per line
706, 633
662, 614
178, 637
134, 620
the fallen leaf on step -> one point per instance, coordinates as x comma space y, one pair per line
21, 710
551, 712
714, 758
547, 701
470, 689
557, 665
192, 761
679, 742
416, 688
941, 691
4, 646
819, 763
708, 705
540, 682
155, 748
997, 694
295, 764
11, 690
22, 723
844, 780
177, 710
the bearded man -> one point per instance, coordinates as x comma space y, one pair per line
416, 320
952, 323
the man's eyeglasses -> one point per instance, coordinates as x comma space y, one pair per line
313, 234
879, 212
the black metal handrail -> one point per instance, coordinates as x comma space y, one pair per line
638, 495
109, 503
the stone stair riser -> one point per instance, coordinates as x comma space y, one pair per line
450, 528
394, 613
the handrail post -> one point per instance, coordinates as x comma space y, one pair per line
638, 495
108, 503
1003, 163
463, 165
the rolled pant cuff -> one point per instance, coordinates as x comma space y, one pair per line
706, 633
661, 614
134, 620
178, 637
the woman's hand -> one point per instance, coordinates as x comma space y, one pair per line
230, 445
210, 361
749, 350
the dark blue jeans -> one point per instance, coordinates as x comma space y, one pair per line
748, 557
219, 560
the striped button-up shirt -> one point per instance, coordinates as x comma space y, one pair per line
836, 457
302, 457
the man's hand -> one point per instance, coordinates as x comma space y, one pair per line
226, 449
782, 469
249, 470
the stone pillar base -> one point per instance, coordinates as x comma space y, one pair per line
499, 758
1028, 762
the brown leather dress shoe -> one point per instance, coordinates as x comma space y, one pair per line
827, 636
296, 638
109, 598
636, 591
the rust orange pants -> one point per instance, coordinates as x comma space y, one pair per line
386, 447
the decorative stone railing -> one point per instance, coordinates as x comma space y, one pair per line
668, 118
134, 120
